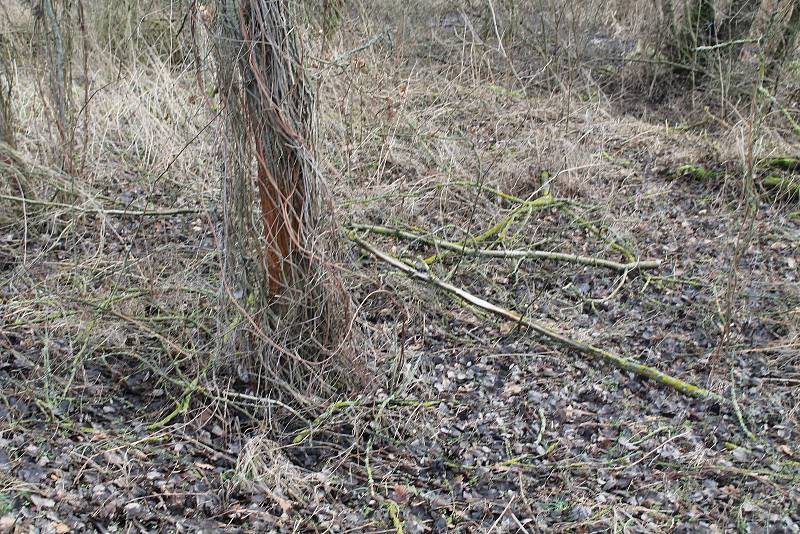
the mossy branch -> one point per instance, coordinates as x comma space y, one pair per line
500, 228
515, 254
785, 163
552, 335
785, 185
697, 171
600, 233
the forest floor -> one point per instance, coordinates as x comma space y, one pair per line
486, 427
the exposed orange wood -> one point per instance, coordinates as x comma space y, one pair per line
282, 222
275, 229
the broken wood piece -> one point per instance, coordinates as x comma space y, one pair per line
616, 360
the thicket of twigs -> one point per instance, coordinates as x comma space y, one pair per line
137, 139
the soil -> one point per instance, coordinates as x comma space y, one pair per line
483, 427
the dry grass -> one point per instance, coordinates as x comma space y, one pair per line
417, 123
137, 151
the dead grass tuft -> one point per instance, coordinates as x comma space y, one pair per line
263, 467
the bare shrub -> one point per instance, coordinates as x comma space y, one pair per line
134, 29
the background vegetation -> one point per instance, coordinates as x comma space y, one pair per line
498, 146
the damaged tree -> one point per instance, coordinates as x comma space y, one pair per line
284, 302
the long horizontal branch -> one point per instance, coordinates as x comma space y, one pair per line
616, 360
533, 254
129, 213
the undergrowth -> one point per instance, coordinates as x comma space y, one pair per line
450, 122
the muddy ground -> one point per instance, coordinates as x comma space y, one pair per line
484, 427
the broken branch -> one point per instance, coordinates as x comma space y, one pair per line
520, 253
616, 360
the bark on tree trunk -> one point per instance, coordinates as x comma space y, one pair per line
53, 24
285, 278
6, 87
701, 17
687, 29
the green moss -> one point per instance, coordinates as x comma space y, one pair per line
394, 513
788, 164
6, 503
696, 171
784, 185
499, 90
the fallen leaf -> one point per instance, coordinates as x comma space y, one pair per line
114, 458
401, 494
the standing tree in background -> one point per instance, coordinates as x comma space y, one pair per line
6, 88
287, 314
690, 24
54, 21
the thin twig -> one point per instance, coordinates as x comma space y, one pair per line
129, 213
726, 44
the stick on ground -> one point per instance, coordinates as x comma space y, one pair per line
496, 253
616, 360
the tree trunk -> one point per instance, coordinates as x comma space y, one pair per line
738, 21
700, 19
6, 88
687, 30
53, 21
668, 17
736, 26
285, 279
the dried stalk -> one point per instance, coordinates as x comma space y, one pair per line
499, 253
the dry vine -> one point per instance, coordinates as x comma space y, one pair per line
279, 280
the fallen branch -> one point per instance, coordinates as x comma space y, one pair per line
130, 213
736, 42
621, 362
501, 227
600, 233
533, 254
